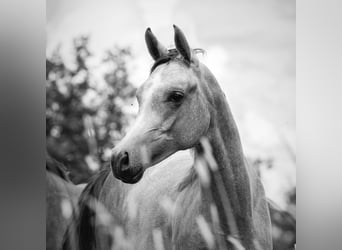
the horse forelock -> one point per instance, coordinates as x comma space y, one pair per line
173, 55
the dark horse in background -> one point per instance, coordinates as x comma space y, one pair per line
61, 203
179, 178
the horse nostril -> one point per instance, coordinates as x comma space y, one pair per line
121, 167
124, 162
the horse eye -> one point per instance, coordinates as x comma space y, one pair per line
175, 97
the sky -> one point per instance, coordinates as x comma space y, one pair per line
250, 48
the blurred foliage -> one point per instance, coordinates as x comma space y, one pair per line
84, 117
284, 224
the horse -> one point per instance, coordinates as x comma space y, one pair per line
61, 202
178, 179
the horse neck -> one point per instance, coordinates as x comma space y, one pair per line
227, 151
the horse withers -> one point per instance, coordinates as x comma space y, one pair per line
157, 193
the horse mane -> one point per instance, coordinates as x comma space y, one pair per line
83, 233
57, 168
172, 55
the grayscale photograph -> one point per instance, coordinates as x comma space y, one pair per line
170, 125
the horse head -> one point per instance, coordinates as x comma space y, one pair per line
173, 110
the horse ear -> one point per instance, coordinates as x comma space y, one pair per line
155, 48
182, 44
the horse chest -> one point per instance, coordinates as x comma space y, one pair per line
173, 214
156, 204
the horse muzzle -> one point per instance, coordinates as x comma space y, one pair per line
122, 169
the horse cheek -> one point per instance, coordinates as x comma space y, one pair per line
193, 126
